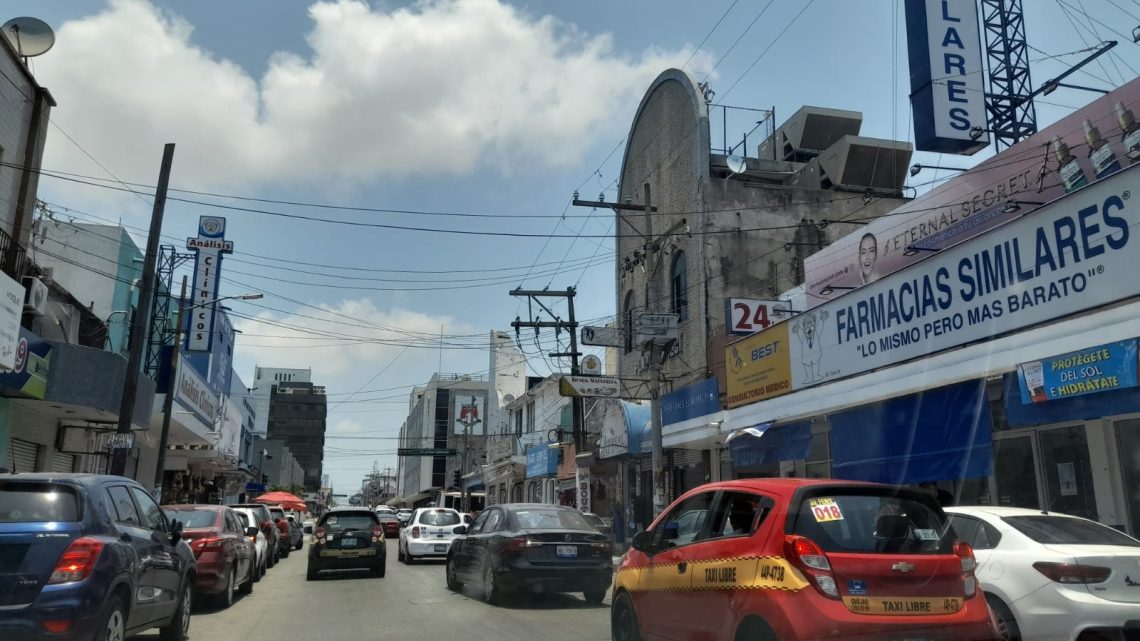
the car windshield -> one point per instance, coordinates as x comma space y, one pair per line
33, 503
348, 521
551, 519
192, 519
1062, 530
872, 524
439, 517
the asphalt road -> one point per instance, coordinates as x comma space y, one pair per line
410, 602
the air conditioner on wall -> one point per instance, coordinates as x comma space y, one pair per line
35, 303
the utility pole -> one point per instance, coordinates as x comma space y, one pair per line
168, 401
142, 313
536, 296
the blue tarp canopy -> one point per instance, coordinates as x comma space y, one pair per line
767, 443
937, 435
639, 428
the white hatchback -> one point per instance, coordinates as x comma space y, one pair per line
429, 533
1050, 576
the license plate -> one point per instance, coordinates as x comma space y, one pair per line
348, 543
567, 551
441, 548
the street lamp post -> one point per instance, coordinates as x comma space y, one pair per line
168, 401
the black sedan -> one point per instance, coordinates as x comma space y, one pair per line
345, 538
531, 547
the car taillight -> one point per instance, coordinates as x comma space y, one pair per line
416, 532
965, 554
320, 535
211, 543
266, 525
77, 561
1072, 572
283, 525
520, 543
377, 533
813, 561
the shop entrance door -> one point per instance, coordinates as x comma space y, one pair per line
1015, 471
1067, 472
1045, 469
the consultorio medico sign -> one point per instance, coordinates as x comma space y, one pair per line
1077, 253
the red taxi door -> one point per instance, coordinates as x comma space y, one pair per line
726, 564
663, 599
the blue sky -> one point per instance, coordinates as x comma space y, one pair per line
472, 106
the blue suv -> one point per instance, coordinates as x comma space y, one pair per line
89, 557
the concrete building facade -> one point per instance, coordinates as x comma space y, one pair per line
297, 416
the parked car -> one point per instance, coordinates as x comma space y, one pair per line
348, 538
428, 533
296, 534
1050, 576
391, 524
404, 515
800, 559
90, 556
257, 537
227, 559
531, 547
284, 543
308, 526
268, 528
598, 522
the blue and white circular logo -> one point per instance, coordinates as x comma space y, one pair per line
211, 226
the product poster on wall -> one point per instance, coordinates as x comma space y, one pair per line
1097, 369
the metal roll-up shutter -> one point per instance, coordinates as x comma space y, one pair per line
687, 458
23, 455
63, 463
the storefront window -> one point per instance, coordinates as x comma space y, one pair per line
1068, 474
1015, 473
1128, 444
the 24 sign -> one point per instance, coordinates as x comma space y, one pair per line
744, 316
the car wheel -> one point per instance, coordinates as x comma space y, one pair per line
114, 626
178, 629
623, 620
400, 554
492, 593
226, 598
452, 573
1006, 623
300, 544
250, 579
285, 553
311, 572
258, 572
270, 560
594, 597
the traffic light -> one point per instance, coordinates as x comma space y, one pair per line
457, 479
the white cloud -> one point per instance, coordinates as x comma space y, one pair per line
442, 86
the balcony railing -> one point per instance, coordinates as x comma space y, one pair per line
740, 130
14, 260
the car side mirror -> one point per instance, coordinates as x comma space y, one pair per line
175, 531
308, 529
251, 531
643, 542
462, 529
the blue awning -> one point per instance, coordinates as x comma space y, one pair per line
937, 435
767, 443
639, 428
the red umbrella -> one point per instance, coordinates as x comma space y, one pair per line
285, 499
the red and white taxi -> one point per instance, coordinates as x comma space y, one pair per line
799, 559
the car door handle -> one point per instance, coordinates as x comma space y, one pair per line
126, 538
681, 567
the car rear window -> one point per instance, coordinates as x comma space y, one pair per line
37, 503
872, 524
387, 517
439, 517
350, 521
551, 519
1063, 530
192, 519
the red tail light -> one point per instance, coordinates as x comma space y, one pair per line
416, 532
520, 543
56, 626
77, 561
1072, 572
283, 525
965, 554
377, 533
209, 543
812, 560
320, 535
266, 525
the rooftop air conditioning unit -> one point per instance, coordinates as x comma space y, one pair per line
35, 303
861, 163
808, 132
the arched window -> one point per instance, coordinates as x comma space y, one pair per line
627, 321
679, 285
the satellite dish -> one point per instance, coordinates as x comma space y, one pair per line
736, 164
30, 37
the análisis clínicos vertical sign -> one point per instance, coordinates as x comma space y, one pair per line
208, 248
946, 74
